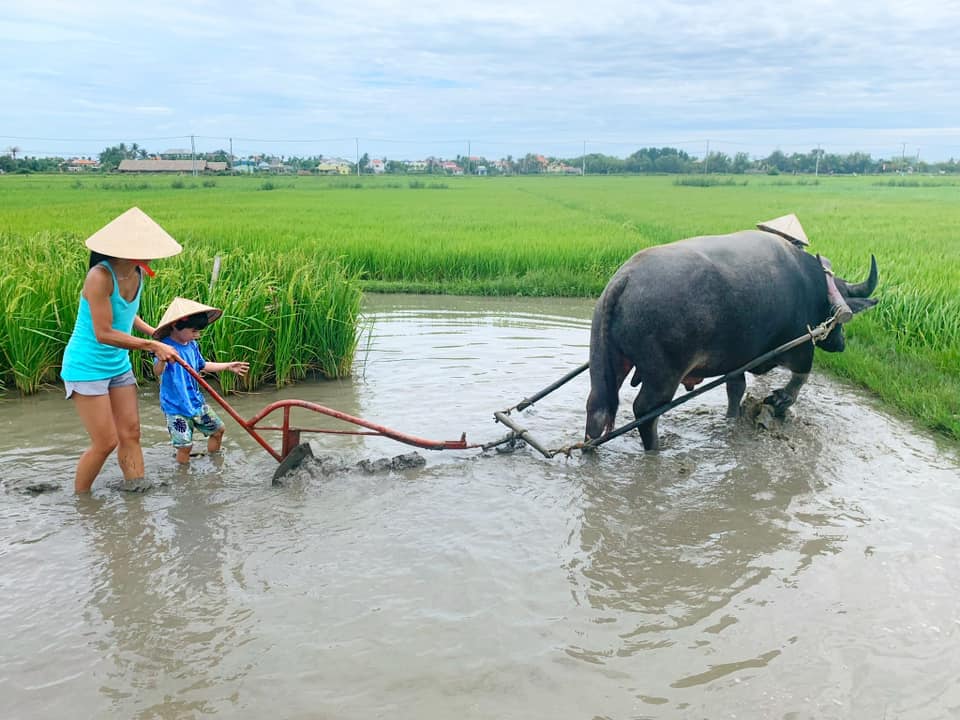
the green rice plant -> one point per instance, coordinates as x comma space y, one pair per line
271, 306
518, 236
694, 181
35, 321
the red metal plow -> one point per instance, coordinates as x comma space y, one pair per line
292, 451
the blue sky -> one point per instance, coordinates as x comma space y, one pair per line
446, 77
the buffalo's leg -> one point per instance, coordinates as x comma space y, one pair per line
735, 388
651, 396
784, 397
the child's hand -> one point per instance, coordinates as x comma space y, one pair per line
238, 368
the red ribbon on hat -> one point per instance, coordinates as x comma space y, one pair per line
145, 266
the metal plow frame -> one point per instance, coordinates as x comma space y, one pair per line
290, 436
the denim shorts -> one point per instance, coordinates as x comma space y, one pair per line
181, 427
99, 387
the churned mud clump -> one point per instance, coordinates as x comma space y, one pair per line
34, 487
762, 416
314, 466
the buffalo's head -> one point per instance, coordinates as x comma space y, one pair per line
858, 299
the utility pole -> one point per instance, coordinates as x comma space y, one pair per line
916, 163
193, 155
231, 153
583, 160
357, 141
706, 159
467, 163
816, 170
903, 157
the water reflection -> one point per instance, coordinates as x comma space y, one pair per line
807, 573
679, 540
159, 597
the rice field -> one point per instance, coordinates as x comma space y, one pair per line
297, 251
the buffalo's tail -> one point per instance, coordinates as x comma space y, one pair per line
606, 363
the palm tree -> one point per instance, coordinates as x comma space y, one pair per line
13, 150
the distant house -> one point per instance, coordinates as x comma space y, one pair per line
176, 154
334, 167
377, 166
170, 166
559, 168
76, 165
451, 167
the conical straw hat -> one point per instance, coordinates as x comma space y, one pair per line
179, 309
786, 226
134, 235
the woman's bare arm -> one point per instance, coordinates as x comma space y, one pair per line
96, 289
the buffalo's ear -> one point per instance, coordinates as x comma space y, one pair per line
860, 304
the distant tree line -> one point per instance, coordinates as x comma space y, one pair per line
648, 160
672, 160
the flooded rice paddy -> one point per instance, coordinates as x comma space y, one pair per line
808, 571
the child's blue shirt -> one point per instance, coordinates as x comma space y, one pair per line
179, 392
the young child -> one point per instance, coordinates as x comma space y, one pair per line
180, 397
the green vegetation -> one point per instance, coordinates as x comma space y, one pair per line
288, 315
528, 236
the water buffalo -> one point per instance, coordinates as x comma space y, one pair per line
703, 307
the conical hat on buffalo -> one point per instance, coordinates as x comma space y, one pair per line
787, 226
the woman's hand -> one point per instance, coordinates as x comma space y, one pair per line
163, 352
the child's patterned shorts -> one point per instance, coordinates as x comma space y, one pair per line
181, 427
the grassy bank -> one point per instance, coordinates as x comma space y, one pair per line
547, 236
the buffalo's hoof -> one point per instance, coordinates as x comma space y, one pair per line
779, 400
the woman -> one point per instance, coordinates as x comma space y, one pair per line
97, 372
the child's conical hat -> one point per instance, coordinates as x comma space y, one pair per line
787, 226
179, 309
134, 235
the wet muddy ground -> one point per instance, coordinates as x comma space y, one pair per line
809, 570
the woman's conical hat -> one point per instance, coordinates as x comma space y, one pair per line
787, 226
179, 309
134, 235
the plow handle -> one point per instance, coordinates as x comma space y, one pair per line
229, 410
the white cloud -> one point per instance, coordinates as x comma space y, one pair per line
505, 73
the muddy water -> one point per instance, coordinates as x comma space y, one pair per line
806, 572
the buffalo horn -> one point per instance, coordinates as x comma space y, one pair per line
863, 290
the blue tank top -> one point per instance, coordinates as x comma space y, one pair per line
87, 359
